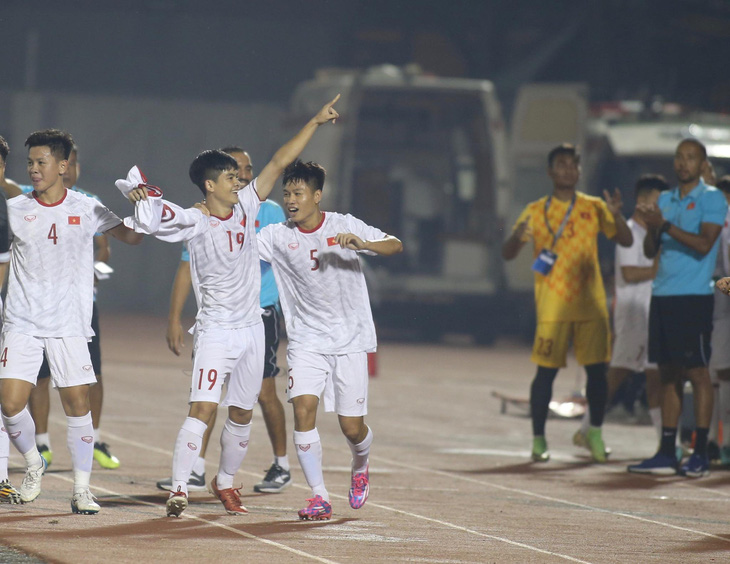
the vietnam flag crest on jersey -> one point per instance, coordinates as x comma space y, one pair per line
74, 220
331, 242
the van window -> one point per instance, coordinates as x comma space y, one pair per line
422, 170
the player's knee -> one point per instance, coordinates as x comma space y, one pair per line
353, 428
304, 416
240, 416
11, 407
202, 410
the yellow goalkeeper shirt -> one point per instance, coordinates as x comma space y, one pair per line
573, 290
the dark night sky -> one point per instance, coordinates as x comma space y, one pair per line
258, 51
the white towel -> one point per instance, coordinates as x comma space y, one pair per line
147, 213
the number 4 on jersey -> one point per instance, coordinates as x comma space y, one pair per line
52, 234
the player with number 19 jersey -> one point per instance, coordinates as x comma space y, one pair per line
56, 239
224, 263
321, 285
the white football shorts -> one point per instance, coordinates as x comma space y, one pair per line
343, 378
228, 356
631, 339
21, 357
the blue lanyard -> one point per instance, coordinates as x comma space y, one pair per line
563, 223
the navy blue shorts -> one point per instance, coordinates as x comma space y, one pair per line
679, 330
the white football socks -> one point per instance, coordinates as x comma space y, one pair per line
80, 441
309, 453
4, 454
234, 445
360, 453
187, 447
21, 430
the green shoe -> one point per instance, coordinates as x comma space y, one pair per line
580, 439
595, 444
540, 452
46, 453
105, 458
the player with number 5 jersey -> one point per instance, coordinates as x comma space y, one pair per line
229, 332
329, 324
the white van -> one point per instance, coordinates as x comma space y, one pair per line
423, 158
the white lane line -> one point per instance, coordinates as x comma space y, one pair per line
477, 533
547, 498
384, 507
213, 523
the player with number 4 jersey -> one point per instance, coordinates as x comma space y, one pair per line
48, 309
329, 324
229, 332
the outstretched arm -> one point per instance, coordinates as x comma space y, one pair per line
126, 235
291, 150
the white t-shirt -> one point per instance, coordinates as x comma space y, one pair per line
321, 286
51, 282
722, 269
629, 295
224, 258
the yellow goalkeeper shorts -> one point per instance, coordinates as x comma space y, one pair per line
591, 342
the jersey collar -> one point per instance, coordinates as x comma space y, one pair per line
65, 191
315, 229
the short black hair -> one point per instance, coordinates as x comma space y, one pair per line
4, 148
311, 173
208, 165
60, 142
697, 143
233, 149
648, 182
723, 183
563, 149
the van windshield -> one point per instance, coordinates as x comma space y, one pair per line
422, 169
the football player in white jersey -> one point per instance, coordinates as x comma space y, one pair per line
40, 404
229, 332
48, 308
329, 324
278, 476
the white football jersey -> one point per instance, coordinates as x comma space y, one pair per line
224, 259
321, 286
633, 294
51, 282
